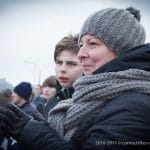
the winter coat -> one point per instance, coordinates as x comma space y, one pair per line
119, 123
30, 109
39, 100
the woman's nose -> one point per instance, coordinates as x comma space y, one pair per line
82, 52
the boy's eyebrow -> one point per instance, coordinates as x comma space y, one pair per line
67, 61
71, 62
58, 60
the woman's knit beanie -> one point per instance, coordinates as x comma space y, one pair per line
119, 29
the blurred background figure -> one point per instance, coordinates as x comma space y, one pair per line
37, 90
21, 97
21, 94
49, 86
8, 92
5, 97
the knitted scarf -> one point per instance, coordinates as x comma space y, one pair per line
90, 92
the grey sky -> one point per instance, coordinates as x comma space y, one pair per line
29, 30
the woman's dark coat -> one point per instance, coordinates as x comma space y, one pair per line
119, 123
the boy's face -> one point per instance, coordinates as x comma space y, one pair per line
68, 68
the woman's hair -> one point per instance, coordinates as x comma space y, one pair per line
69, 43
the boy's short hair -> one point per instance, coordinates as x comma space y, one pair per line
51, 81
69, 43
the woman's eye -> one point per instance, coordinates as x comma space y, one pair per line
92, 44
80, 45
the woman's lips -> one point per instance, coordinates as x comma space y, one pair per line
87, 67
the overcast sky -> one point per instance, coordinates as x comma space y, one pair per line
29, 30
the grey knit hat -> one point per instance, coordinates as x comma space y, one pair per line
119, 29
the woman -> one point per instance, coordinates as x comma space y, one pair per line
110, 106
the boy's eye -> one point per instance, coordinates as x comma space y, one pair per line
58, 62
72, 64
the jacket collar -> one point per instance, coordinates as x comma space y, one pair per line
65, 93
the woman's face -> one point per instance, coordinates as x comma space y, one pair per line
93, 54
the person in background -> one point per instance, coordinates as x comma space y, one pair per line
21, 96
31, 97
37, 90
49, 86
8, 92
67, 69
5, 96
110, 107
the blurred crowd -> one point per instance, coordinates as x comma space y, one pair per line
99, 98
